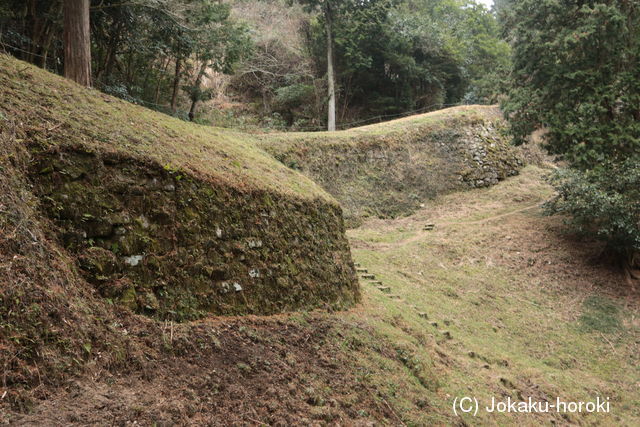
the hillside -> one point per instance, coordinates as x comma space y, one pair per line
158, 272
393, 168
107, 207
498, 301
169, 218
492, 302
55, 113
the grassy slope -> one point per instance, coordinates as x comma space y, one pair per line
54, 111
390, 169
530, 313
441, 119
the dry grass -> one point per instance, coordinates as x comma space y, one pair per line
393, 131
54, 112
529, 310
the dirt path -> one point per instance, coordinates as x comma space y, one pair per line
491, 218
439, 224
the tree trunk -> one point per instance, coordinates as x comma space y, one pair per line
45, 47
156, 97
176, 85
77, 42
331, 108
32, 18
195, 96
112, 51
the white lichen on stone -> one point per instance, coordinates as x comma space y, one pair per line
144, 222
255, 243
133, 260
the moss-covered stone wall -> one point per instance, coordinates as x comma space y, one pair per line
167, 244
391, 173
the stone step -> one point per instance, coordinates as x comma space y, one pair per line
361, 270
375, 283
368, 276
423, 315
356, 264
384, 289
429, 227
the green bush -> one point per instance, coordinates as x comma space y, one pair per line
576, 75
604, 201
295, 95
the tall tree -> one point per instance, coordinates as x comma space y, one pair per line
576, 72
77, 41
176, 84
217, 44
331, 89
328, 9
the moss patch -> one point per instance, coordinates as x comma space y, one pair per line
162, 242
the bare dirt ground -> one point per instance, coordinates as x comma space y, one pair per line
234, 371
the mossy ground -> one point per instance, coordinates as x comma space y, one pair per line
521, 311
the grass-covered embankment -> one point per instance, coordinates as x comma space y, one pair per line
109, 209
392, 168
495, 301
170, 218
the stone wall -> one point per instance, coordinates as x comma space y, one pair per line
169, 245
393, 173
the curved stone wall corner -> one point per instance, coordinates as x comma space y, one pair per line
170, 245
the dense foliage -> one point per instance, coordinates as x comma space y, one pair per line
143, 51
397, 56
604, 200
577, 75
391, 56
